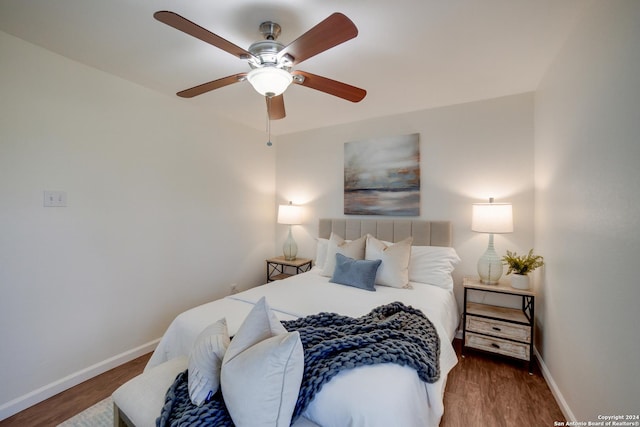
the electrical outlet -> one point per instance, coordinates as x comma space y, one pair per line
55, 199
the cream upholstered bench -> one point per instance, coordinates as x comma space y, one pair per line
138, 402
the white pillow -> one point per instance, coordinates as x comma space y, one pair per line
321, 252
352, 249
262, 382
205, 361
394, 270
433, 265
262, 371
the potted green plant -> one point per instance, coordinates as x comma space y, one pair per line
521, 266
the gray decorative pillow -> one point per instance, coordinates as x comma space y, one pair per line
357, 273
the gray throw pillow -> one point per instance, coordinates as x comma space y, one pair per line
357, 273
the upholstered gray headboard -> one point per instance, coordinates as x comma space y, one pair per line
424, 233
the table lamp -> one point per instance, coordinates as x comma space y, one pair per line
491, 218
289, 215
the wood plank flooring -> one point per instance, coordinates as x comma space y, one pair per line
65, 405
482, 390
488, 390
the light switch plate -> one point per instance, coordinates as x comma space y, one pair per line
55, 199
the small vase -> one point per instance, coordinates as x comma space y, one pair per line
520, 281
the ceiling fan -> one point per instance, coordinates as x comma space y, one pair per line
272, 63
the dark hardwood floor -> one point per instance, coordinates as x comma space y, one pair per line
63, 406
482, 390
487, 390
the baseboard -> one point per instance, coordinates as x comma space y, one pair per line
562, 403
23, 402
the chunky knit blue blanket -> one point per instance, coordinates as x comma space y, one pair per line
392, 333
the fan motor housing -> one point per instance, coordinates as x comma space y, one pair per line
266, 51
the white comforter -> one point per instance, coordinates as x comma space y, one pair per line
379, 395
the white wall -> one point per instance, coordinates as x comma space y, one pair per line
167, 207
587, 181
163, 199
468, 153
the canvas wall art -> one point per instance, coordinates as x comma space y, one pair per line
382, 176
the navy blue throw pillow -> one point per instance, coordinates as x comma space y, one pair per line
357, 273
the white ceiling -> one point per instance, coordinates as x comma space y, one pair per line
409, 54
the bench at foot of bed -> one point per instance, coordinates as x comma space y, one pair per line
138, 402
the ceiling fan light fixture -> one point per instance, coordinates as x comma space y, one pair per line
269, 81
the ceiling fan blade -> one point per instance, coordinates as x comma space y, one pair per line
332, 87
275, 107
179, 23
334, 30
216, 84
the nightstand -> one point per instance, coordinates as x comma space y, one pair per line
279, 268
501, 330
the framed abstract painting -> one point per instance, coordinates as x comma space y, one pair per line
382, 176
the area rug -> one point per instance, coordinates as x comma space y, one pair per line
99, 415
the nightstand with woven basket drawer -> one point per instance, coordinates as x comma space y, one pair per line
500, 330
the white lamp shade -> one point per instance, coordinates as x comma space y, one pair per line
492, 218
269, 81
289, 214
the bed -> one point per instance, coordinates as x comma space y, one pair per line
372, 395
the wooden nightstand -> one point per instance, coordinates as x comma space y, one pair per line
279, 268
501, 330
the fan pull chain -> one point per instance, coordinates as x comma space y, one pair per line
269, 143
